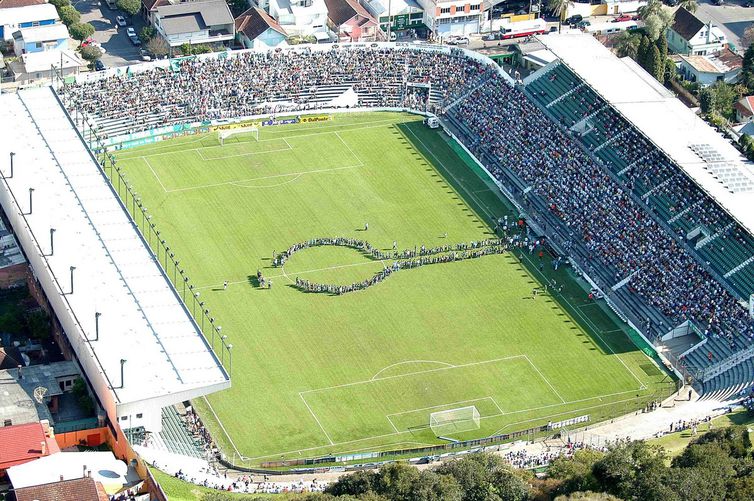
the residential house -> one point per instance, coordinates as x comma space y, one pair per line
77, 489
199, 22
403, 15
255, 29
40, 39
604, 7
25, 442
453, 17
14, 18
302, 17
689, 36
36, 66
744, 109
10, 4
352, 22
722, 66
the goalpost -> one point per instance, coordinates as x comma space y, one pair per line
454, 421
224, 134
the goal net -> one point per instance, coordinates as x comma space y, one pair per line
454, 421
225, 134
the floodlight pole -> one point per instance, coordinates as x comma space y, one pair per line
122, 381
72, 269
52, 241
12, 154
96, 325
31, 207
222, 351
230, 359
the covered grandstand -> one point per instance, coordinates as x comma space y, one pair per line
693, 181
138, 344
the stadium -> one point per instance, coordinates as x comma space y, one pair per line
392, 250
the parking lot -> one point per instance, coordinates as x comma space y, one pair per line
119, 51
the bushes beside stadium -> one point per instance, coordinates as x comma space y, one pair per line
717, 465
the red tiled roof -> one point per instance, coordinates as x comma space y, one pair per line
9, 4
255, 21
23, 443
78, 489
341, 11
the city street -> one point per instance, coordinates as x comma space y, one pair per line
119, 51
732, 18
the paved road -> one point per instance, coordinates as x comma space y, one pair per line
118, 48
731, 17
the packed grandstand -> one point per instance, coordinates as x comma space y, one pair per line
616, 204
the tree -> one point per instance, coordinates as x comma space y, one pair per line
662, 45
627, 44
431, 486
642, 54
82, 396
560, 9
130, 7
587, 496
91, 53
81, 31
748, 37
706, 100
237, 7
485, 477
69, 15
656, 18
359, 482
734, 440
147, 33
689, 5
10, 321
747, 69
158, 46
632, 471
655, 64
396, 480
576, 472
38, 324
60, 3
671, 72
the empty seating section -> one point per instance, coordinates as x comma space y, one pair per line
671, 195
176, 438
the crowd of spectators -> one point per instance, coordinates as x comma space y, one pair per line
252, 83
498, 123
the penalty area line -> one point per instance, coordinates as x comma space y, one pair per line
316, 418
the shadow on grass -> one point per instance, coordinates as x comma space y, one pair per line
463, 176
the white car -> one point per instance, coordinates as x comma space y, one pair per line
458, 40
120, 21
130, 32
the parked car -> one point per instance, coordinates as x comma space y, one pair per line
145, 55
99, 65
135, 40
130, 32
583, 24
458, 40
622, 18
671, 3
574, 20
120, 21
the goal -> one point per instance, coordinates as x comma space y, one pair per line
454, 421
225, 134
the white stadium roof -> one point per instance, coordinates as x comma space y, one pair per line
143, 320
705, 155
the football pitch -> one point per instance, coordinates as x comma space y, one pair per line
318, 374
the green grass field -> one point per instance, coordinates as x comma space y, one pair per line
316, 374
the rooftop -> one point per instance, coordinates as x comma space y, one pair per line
142, 318
188, 17
722, 62
24, 443
43, 33
15, 15
686, 24
102, 467
704, 155
80, 489
256, 21
16, 402
340, 11
9, 4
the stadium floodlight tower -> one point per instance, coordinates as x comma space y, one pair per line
452, 421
